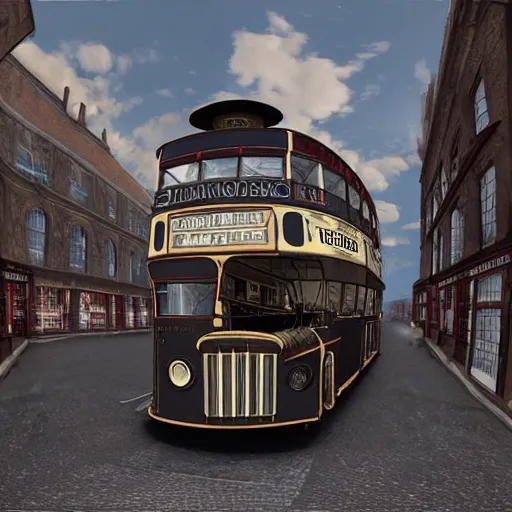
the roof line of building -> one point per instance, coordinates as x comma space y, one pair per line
59, 103
443, 60
81, 161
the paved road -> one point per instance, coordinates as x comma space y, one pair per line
407, 437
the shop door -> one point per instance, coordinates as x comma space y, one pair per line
461, 337
17, 308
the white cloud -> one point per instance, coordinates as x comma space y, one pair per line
166, 93
387, 212
308, 89
94, 58
369, 91
190, 91
393, 241
273, 68
421, 72
412, 225
62, 68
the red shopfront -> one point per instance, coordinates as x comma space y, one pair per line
16, 306
471, 311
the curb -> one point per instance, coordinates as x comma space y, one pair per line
452, 367
82, 334
9, 361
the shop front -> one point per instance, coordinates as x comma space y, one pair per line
473, 315
52, 309
16, 304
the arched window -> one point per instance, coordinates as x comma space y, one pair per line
36, 236
78, 249
111, 259
481, 112
457, 242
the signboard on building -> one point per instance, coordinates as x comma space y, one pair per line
479, 269
16, 23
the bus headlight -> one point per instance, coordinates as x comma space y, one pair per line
180, 374
299, 377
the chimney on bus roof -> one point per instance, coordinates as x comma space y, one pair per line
235, 114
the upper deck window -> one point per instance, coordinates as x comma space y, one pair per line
264, 166
181, 174
220, 168
335, 184
354, 198
366, 211
306, 172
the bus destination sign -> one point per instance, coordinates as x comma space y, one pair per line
254, 189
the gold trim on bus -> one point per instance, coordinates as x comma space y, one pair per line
309, 350
239, 334
230, 427
288, 169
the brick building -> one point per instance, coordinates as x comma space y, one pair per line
16, 23
462, 299
74, 223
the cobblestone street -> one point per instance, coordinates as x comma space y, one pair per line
405, 437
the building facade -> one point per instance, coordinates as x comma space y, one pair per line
462, 299
16, 23
74, 223
400, 309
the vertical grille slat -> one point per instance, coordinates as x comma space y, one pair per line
240, 385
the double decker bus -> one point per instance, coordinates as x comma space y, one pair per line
266, 269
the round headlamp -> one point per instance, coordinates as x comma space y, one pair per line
180, 374
299, 377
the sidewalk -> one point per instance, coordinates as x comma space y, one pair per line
454, 369
10, 360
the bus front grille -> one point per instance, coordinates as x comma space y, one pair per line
240, 385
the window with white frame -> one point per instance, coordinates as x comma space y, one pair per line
434, 251
435, 199
134, 266
488, 206
36, 236
112, 205
454, 166
428, 222
441, 252
111, 259
457, 236
131, 215
78, 249
444, 183
481, 113
487, 330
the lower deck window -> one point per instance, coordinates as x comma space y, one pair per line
185, 299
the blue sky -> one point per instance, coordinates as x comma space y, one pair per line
349, 72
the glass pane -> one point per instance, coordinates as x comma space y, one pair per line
354, 198
335, 184
334, 296
185, 298
349, 299
361, 295
271, 167
220, 168
181, 174
366, 211
305, 171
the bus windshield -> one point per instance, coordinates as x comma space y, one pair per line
185, 298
